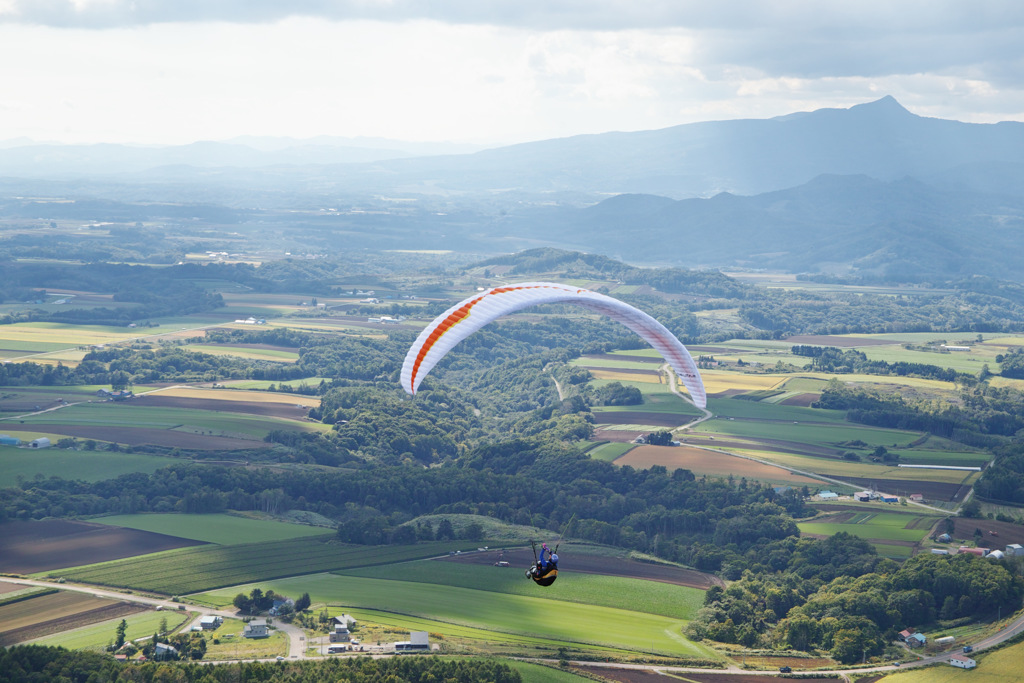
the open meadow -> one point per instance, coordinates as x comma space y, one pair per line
21, 464
655, 597
894, 532
220, 529
489, 611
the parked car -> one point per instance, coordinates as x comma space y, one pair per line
785, 669
968, 648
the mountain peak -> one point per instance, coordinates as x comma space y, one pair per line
886, 105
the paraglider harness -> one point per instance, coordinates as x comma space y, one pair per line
543, 573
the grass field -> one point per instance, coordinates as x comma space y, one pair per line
810, 433
97, 636
220, 529
90, 466
755, 410
245, 352
609, 451
265, 384
232, 645
537, 673
190, 570
515, 614
882, 526
132, 414
654, 597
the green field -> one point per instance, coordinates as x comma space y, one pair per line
882, 526
263, 384
245, 352
810, 433
657, 399
233, 646
98, 636
537, 673
190, 570
220, 529
609, 451
131, 414
654, 597
89, 466
844, 468
513, 614
755, 410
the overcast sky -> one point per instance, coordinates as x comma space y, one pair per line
487, 71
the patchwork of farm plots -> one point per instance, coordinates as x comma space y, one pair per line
1001, 666
773, 427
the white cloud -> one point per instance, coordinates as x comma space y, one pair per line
162, 71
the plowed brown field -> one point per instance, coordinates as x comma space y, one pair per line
56, 612
285, 410
29, 547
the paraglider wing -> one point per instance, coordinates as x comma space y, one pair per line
468, 316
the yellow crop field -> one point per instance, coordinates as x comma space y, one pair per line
72, 335
719, 381
240, 395
625, 376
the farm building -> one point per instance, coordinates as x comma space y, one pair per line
210, 623
945, 640
7, 440
418, 641
165, 651
828, 495
964, 550
940, 551
916, 497
995, 555
862, 496
963, 661
1014, 550
257, 628
41, 442
890, 499
945, 538
904, 634
916, 640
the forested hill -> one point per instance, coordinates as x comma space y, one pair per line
899, 231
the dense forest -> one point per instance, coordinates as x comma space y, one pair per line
38, 664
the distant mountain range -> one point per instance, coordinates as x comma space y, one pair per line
872, 190
879, 139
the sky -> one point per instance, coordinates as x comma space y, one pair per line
487, 72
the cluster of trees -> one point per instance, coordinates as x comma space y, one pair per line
985, 416
833, 360
838, 595
259, 601
42, 664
